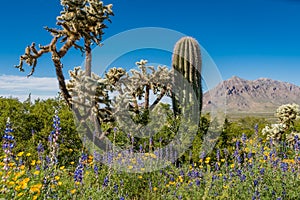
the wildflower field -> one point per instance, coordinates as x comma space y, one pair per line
251, 166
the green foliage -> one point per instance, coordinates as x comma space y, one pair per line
32, 123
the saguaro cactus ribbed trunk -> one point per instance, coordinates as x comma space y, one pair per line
187, 64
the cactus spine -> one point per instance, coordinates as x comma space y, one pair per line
187, 63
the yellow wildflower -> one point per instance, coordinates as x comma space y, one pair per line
24, 186
11, 183
57, 178
73, 191
20, 153
33, 162
34, 190
28, 154
17, 188
22, 167
172, 182
20, 194
37, 172
154, 189
59, 183
153, 155
140, 177
62, 167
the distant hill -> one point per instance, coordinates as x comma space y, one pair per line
243, 96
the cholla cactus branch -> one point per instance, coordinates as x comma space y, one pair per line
288, 113
79, 19
280, 132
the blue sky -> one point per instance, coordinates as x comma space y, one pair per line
247, 38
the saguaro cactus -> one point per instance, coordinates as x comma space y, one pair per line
187, 63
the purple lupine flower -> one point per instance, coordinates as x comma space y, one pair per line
243, 178
141, 148
218, 155
255, 182
78, 174
105, 181
284, 166
239, 172
249, 155
97, 156
217, 167
256, 129
40, 148
116, 187
84, 157
239, 159
8, 143
262, 171
297, 143
181, 173
237, 144
96, 170
244, 138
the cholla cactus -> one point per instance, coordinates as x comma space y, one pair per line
279, 132
83, 17
139, 84
107, 97
91, 94
274, 132
134, 96
80, 19
288, 113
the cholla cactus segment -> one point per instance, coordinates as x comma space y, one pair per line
85, 17
91, 94
138, 83
134, 90
274, 132
279, 132
288, 113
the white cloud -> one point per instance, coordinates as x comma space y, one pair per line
20, 87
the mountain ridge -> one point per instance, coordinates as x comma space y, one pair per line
250, 96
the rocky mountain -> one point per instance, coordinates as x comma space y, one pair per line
240, 95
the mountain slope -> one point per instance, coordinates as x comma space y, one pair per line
261, 95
